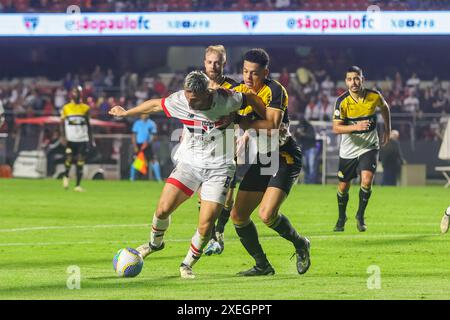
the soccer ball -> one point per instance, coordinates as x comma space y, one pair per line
128, 263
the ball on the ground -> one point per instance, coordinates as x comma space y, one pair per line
128, 263
447, 211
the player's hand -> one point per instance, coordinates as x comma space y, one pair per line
63, 141
118, 111
362, 125
226, 120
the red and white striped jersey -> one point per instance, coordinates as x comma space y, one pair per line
204, 144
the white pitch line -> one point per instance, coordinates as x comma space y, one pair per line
75, 227
99, 226
322, 237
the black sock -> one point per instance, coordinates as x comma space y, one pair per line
213, 233
79, 174
364, 195
283, 226
342, 204
249, 239
223, 219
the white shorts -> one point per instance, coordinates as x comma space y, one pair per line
214, 183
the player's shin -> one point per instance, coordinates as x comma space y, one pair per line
80, 165
281, 224
249, 238
364, 196
342, 199
159, 227
223, 219
195, 251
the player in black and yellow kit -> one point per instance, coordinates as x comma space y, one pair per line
261, 185
76, 135
355, 119
215, 61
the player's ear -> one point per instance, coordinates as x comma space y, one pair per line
266, 73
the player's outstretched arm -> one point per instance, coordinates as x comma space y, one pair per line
149, 106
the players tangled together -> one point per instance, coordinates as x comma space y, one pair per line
211, 108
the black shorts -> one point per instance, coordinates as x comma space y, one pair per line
290, 165
77, 148
350, 168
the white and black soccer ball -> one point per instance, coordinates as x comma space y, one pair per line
128, 263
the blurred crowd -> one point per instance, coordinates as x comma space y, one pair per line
312, 95
28, 6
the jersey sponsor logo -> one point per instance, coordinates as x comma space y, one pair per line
340, 175
337, 113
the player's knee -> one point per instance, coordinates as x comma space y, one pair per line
164, 210
236, 218
266, 214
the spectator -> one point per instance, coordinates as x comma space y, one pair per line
306, 137
312, 111
60, 98
413, 82
411, 104
392, 159
284, 77
327, 86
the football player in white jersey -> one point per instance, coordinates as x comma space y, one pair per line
205, 157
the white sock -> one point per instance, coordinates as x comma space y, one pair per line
159, 227
198, 242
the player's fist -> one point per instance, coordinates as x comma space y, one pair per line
118, 111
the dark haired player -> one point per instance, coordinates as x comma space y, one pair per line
355, 118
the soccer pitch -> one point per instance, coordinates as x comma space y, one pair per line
44, 230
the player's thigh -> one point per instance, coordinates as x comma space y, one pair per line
81, 153
348, 170
216, 183
246, 202
209, 211
368, 166
182, 183
270, 204
171, 197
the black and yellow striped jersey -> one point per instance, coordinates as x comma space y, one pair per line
273, 95
76, 121
350, 111
228, 83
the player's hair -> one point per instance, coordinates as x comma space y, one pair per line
196, 81
219, 49
259, 56
355, 69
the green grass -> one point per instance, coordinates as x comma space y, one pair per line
403, 240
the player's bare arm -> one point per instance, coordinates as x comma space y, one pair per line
273, 118
386, 114
149, 106
339, 127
